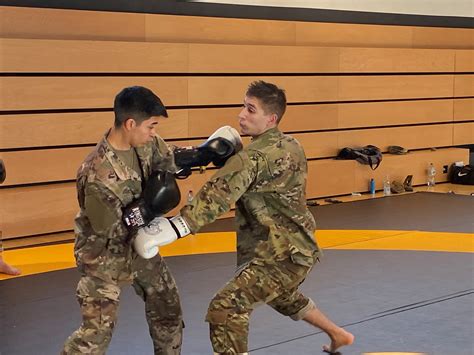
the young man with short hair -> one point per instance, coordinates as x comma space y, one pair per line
275, 230
109, 179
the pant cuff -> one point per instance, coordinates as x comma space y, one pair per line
303, 311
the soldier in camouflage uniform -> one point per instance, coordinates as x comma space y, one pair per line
275, 230
109, 179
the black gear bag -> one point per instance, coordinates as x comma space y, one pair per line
463, 175
369, 155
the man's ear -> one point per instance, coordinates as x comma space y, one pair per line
129, 124
273, 119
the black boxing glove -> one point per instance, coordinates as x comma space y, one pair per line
3, 172
161, 195
219, 147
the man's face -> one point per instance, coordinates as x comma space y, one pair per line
253, 120
142, 133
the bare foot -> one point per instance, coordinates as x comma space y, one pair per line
342, 338
8, 269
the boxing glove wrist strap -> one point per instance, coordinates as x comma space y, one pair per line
180, 226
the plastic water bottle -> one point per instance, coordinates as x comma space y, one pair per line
431, 175
372, 187
190, 196
386, 186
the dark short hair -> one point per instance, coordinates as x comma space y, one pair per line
138, 103
272, 98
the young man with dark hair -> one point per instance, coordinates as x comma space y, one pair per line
275, 230
109, 179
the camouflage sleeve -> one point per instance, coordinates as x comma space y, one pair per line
163, 157
104, 211
217, 195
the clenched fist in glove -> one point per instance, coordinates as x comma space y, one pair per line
160, 231
161, 195
219, 147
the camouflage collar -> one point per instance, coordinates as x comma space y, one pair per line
267, 134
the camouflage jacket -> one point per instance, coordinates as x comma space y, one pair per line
107, 253
267, 183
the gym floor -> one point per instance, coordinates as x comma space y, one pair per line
398, 273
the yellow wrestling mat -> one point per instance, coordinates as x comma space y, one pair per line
60, 256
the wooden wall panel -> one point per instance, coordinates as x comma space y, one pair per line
62, 129
88, 127
394, 113
195, 29
61, 164
32, 166
205, 58
68, 56
52, 165
392, 60
139, 57
394, 87
465, 60
175, 126
33, 93
463, 85
52, 129
37, 209
317, 145
310, 117
332, 116
20, 22
352, 35
51, 208
436, 37
202, 122
330, 177
43, 209
23, 22
463, 133
464, 110
412, 137
231, 90
397, 167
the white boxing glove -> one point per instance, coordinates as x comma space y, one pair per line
230, 134
160, 231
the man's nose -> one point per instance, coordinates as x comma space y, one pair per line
241, 114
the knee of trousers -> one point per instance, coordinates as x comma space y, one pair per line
164, 308
228, 331
221, 309
220, 316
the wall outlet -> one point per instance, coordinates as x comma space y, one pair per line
445, 169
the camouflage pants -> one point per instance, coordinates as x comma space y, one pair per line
99, 301
273, 283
